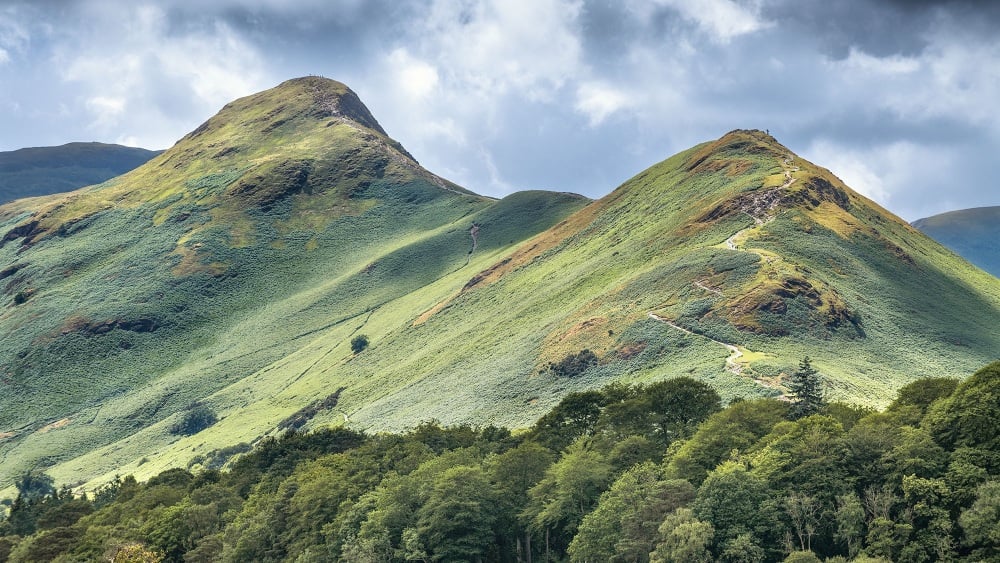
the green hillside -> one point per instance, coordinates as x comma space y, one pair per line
279, 226
972, 233
47, 170
231, 273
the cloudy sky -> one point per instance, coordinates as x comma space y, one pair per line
900, 98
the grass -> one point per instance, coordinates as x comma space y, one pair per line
254, 305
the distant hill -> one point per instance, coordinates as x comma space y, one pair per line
972, 233
48, 170
223, 283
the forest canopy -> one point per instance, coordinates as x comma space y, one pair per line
654, 473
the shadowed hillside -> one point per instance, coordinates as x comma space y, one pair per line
47, 170
973, 233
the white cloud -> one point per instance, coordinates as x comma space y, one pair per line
446, 86
599, 101
4, 56
492, 47
858, 60
128, 141
497, 184
896, 174
721, 19
954, 77
106, 110
853, 167
416, 78
163, 80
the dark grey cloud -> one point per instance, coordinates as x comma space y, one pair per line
575, 95
880, 27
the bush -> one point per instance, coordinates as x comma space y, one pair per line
573, 364
198, 418
359, 343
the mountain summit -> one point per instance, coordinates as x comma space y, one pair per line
237, 272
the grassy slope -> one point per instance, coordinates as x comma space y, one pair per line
852, 278
262, 299
40, 171
284, 220
973, 233
591, 282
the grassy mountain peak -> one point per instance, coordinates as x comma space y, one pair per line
289, 216
300, 137
227, 280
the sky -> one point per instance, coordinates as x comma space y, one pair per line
899, 98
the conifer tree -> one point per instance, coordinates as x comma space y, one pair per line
805, 390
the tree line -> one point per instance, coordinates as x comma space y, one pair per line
653, 473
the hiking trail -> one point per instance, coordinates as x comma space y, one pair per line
760, 212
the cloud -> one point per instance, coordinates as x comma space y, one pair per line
599, 101
416, 78
157, 73
106, 111
852, 166
573, 95
494, 47
13, 35
887, 172
862, 62
721, 19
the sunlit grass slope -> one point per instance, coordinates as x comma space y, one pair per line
288, 217
973, 233
235, 269
826, 273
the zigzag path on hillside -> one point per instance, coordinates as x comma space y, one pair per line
757, 221
732, 362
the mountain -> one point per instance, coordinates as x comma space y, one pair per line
222, 284
279, 227
47, 170
972, 233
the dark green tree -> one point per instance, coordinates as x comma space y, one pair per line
850, 522
457, 519
568, 491
623, 526
514, 473
198, 418
806, 389
575, 415
737, 503
981, 522
36, 494
967, 418
359, 343
35, 485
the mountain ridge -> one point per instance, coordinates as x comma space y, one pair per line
972, 233
233, 271
41, 171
